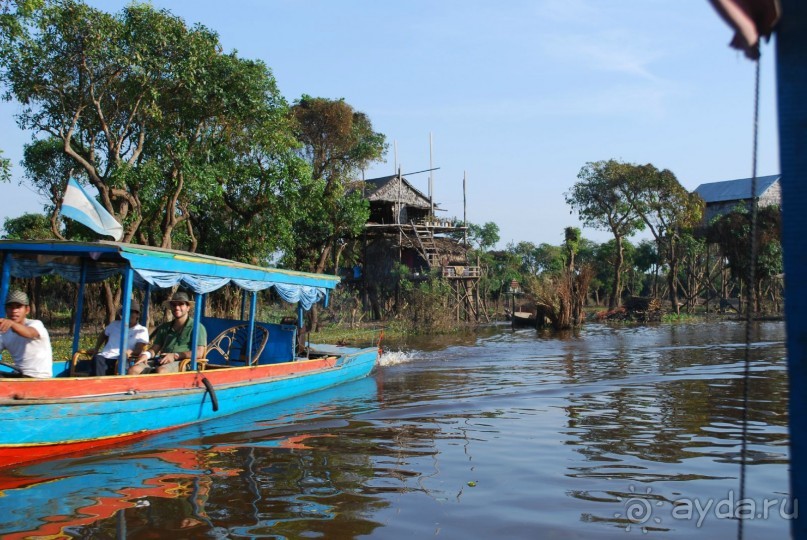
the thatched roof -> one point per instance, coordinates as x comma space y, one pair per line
389, 189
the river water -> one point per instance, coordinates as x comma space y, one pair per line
611, 432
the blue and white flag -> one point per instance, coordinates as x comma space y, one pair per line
81, 207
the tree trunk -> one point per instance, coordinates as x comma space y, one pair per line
672, 260
109, 302
613, 302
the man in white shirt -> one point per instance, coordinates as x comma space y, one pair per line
103, 363
25, 339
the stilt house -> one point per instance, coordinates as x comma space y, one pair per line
723, 197
403, 228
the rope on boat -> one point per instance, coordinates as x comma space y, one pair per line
213, 399
749, 307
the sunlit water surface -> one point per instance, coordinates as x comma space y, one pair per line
609, 433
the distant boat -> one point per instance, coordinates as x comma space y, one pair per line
523, 319
41, 418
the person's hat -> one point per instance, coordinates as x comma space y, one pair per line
17, 297
134, 306
180, 296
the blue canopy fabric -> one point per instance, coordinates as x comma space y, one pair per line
159, 268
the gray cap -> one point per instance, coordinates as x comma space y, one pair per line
17, 297
134, 306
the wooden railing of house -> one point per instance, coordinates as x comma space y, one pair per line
461, 272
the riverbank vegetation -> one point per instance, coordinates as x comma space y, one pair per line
194, 148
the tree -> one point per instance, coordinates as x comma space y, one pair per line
577, 278
48, 169
527, 253
28, 227
667, 209
157, 119
549, 258
337, 142
483, 237
601, 204
732, 233
259, 183
571, 245
141, 104
646, 259
604, 256
588, 255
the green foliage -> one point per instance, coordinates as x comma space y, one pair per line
160, 121
337, 142
571, 243
732, 233
14, 15
5, 168
645, 256
599, 200
526, 254
28, 227
679, 318
48, 169
424, 304
483, 237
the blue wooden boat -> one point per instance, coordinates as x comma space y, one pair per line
40, 418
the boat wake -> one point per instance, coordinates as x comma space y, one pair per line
393, 358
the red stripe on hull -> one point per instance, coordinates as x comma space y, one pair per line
59, 387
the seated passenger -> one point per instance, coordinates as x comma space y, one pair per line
25, 339
172, 341
103, 363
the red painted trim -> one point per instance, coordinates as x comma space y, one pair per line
70, 387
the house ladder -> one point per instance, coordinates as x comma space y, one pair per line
428, 248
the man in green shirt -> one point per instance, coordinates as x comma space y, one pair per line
172, 341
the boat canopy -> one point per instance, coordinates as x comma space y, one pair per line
162, 268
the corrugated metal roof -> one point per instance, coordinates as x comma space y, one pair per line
734, 190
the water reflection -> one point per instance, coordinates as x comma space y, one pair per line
506, 434
251, 470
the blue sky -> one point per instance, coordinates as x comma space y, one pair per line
517, 95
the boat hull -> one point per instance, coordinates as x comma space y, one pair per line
50, 417
523, 320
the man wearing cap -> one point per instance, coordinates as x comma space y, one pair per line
103, 363
25, 339
172, 341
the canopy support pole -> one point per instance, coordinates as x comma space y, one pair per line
253, 302
5, 280
126, 303
79, 306
197, 317
144, 316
